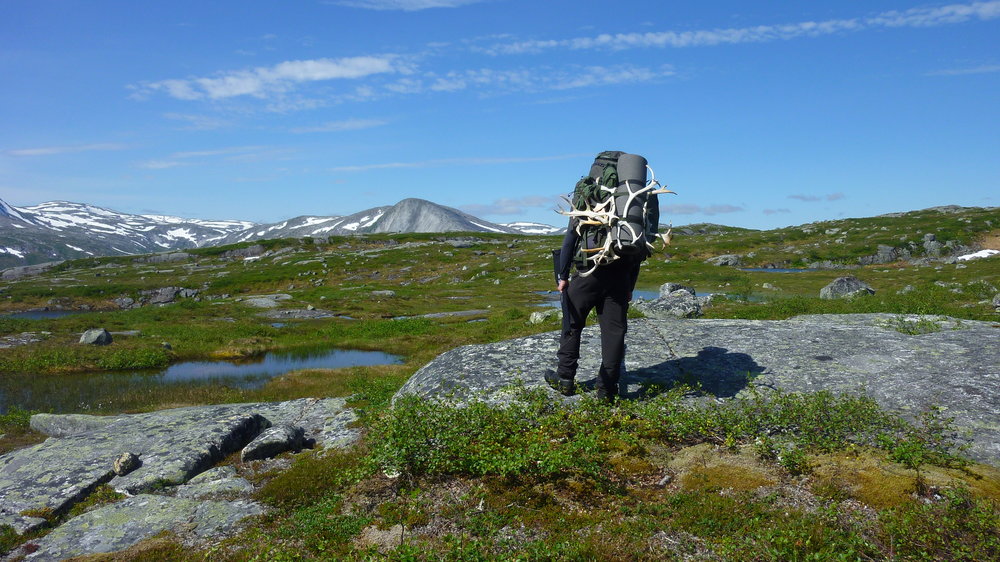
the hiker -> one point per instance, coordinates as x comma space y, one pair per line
607, 266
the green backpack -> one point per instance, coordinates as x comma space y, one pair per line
593, 192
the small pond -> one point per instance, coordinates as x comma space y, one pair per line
103, 391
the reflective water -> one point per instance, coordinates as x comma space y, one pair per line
83, 392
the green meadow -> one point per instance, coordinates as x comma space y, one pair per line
775, 477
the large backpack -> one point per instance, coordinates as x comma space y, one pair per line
618, 212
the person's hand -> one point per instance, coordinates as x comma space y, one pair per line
562, 285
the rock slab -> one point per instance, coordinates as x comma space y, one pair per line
118, 526
174, 446
957, 367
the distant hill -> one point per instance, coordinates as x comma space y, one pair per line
60, 230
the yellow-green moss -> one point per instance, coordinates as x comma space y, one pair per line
705, 466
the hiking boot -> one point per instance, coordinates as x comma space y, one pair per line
603, 395
564, 386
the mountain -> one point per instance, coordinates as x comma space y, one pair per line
62, 230
535, 228
409, 215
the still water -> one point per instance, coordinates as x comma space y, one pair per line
44, 314
102, 391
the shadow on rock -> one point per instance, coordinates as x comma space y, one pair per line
715, 371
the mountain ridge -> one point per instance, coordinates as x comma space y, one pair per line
57, 230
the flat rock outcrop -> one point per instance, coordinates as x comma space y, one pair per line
172, 445
120, 525
957, 367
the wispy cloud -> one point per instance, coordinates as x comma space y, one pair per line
776, 211
51, 150
338, 126
452, 162
915, 17
984, 69
688, 209
510, 206
191, 157
493, 81
404, 5
814, 198
264, 81
198, 122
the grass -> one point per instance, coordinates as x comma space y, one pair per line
773, 476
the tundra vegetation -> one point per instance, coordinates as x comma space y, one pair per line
768, 477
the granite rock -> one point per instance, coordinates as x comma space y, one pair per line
174, 445
846, 287
97, 336
957, 367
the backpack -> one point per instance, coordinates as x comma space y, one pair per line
617, 215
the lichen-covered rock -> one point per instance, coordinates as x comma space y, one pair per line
680, 303
846, 287
957, 367
125, 463
64, 425
218, 482
543, 315
667, 288
726, 259
273, 441
174, 446
120, 525
97, 336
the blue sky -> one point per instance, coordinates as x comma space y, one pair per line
759, 114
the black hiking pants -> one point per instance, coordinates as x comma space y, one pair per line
606, 289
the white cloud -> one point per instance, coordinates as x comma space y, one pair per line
404, 5
776, 211
50, 150
266, 81
338, 126
452, 162
915, 17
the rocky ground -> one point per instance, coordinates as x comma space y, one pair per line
955, 365
173, 488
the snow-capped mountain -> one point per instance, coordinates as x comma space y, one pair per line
62, 230
409, 215
59, 230
535, 228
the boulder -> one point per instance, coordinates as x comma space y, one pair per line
726, 259
996, 301
846, 287
385, 293
678, 304
126, 463
125, 302
667, 288
543, 315
273, 441
97, 336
